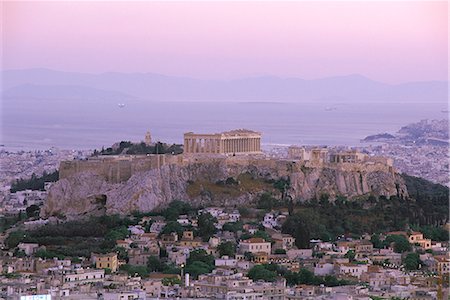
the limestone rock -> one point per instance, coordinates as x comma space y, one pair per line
87, 193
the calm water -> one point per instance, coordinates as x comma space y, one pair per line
89, 126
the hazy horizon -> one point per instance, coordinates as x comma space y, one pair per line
268, 75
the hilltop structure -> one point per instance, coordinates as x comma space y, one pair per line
316, 156
240, 141
148, 139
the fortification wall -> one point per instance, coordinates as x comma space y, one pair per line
117, 169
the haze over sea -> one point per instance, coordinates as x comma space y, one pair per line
280, 123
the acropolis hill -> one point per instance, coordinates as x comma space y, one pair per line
126, 183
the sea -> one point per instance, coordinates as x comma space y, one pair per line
281, 124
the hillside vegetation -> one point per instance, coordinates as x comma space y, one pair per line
127, 147
426, 210
35, 182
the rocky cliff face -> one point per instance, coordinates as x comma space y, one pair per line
87, 193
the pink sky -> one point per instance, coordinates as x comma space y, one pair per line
386, 41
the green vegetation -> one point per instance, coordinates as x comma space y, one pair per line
35, 183
244, 183
326, 220
177, 208
206, 227
134, 270
259, 234
154, 264
47, 254
199, 262
266, 201
76, 238
260, 272
32, 211
173, 226
350, 255
269, 272
401, 243
233, 226
431, 204
227, 248
280, 251
305, 276
9, 221
127, 147
434, 233
412, 261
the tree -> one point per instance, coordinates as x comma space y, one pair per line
175, 209
135, 270
197, 268
412, 261
244, 211
248, 256
259, 272
306, 277
32, 211
206, 227
118, 233
170, 269
264, 235
375, 240
14, 238
227, 248
401, 243
200, 255
297, 227
172, 226
232, 227
350, 255
154, 264
199, 262
47, 254
266, 201
280, 251
122, 253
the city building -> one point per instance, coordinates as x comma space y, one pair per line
254, 245
105, 261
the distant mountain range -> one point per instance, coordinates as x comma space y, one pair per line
50, 84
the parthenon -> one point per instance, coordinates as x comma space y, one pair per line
240, 141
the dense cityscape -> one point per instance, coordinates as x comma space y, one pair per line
251, 252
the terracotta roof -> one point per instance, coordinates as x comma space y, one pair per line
254, 240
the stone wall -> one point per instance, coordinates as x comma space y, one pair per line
117, 169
